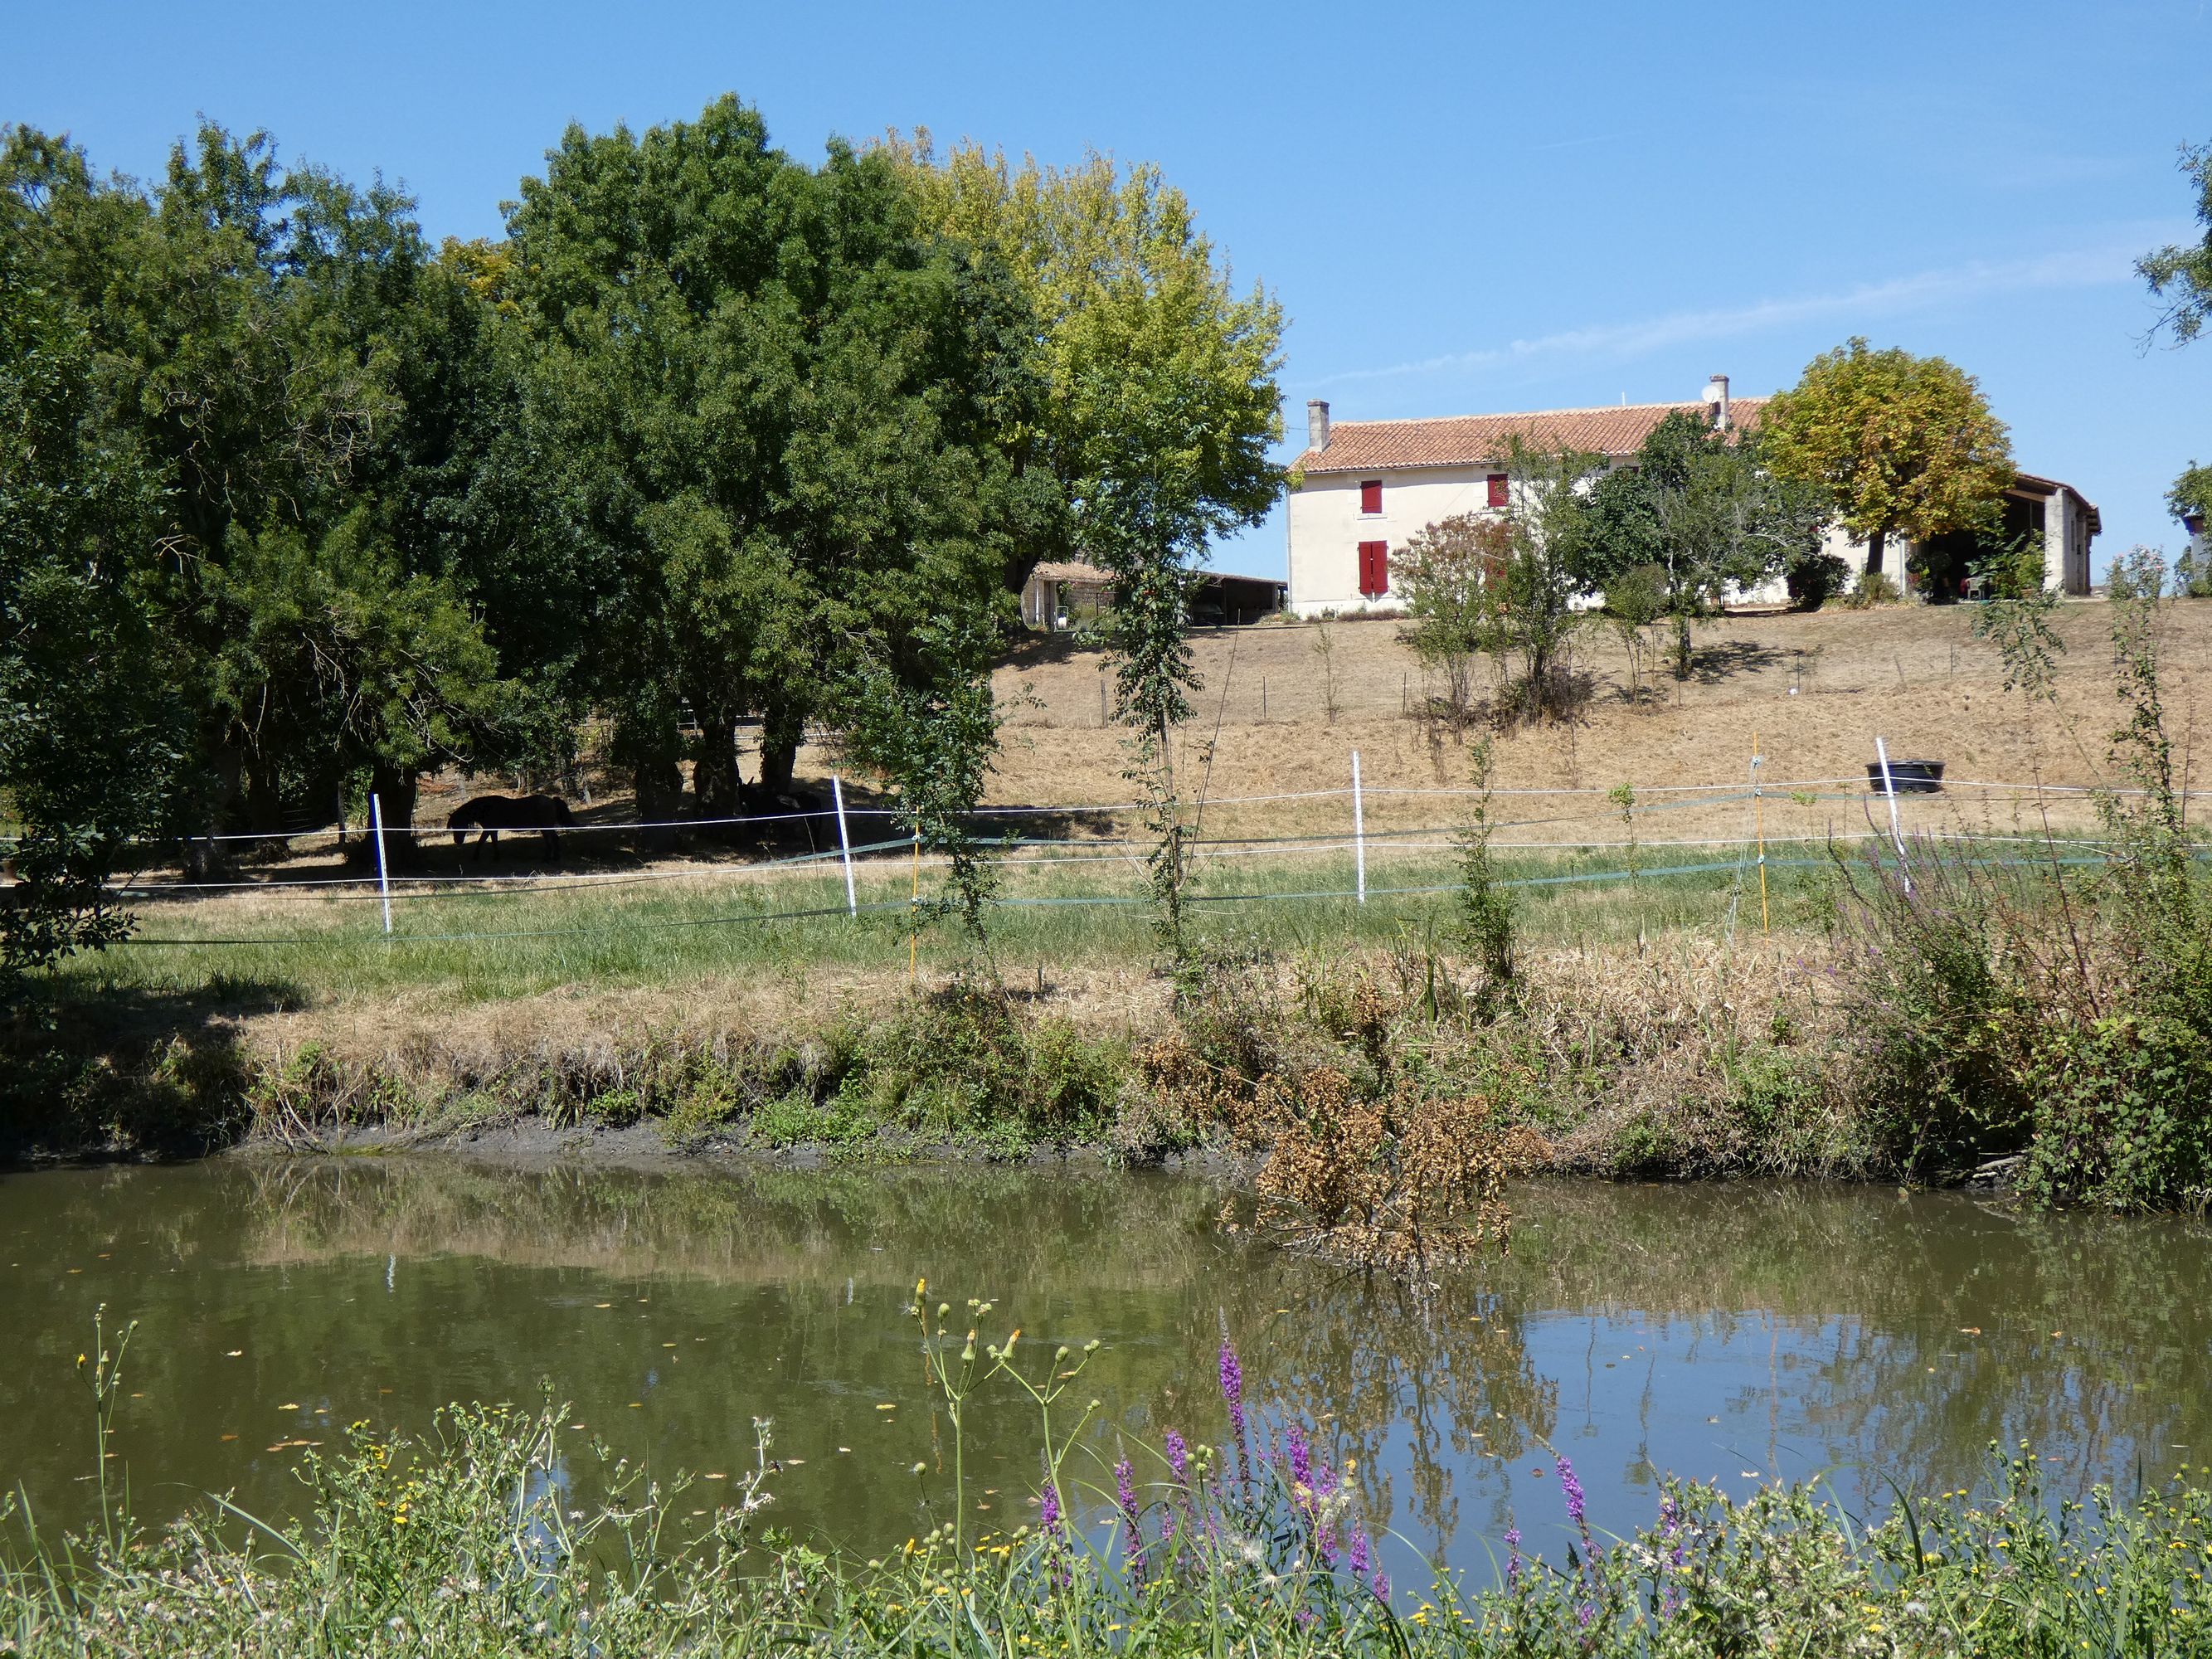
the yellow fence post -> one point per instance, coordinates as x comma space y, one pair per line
913, 906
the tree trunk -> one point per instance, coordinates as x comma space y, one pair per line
780, 732
1873, 552
207, 859
715, 775
394, 787
659, 798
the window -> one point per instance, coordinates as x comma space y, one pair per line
1497, 490
1374, 569
1370, 496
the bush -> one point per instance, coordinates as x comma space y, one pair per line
2054, 1025
1814, 580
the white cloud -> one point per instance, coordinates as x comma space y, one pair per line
2082, 268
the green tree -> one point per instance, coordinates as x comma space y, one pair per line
281, 352
2180, 274
90, 737
1704, 507
783, 423
1902, 445
1533, 616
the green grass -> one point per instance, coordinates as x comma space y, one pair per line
488, 943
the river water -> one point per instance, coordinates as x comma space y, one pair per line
1733, 1333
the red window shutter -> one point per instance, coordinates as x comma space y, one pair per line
1374, 567
1497, 490
1370, 495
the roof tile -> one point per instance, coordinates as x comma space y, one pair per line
1473, 440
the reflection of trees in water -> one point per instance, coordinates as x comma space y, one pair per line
797, 1278
1438, 1380
1082, 1251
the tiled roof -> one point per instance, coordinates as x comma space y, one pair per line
2036, 486
1056, 571
1473, 440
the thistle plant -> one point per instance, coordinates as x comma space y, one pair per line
100, 1368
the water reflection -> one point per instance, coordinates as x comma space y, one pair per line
1716, 1332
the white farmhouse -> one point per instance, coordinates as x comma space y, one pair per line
1363, 487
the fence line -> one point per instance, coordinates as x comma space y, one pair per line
1719, 793
369, 887
1051, 901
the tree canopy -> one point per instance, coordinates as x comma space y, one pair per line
1902, 445
1159, 404
295, 508
1700, 513
784, 423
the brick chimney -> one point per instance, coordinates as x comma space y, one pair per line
1716, 399
1317, 423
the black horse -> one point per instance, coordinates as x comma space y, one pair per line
490, 814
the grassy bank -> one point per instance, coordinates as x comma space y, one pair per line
482, 1540
1633, 1031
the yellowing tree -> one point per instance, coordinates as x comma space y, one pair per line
1902, 444
1159, 405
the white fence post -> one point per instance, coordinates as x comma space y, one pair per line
383, 872
1358, 829
844, 845
1896, 835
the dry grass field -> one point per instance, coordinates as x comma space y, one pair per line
615, 941
1815, 689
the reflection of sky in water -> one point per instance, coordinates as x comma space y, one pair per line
1738, 1401
1709, 1333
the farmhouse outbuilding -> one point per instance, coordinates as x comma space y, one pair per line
1362, 487
1063, 594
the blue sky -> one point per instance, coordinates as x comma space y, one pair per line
1463, 207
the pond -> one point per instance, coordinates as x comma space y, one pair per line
1734, 1333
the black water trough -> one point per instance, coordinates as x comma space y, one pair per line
1909, 777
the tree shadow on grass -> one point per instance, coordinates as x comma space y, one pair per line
128, 1071
1712, 664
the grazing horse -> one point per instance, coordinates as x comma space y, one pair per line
490, 814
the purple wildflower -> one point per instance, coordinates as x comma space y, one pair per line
1380, 1583
1359, 1548
1049, 1509
1301, 1458
1571, 1490
1513, 1559
1125, 1494
1178, 1458
1585, 1613
1232, 1390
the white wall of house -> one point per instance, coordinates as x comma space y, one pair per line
1327, 526
2066, 546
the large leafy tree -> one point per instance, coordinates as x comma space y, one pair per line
1159, 405
2180, 274
89, 738
283, 357
784, 417
1902, 445
1701, 509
